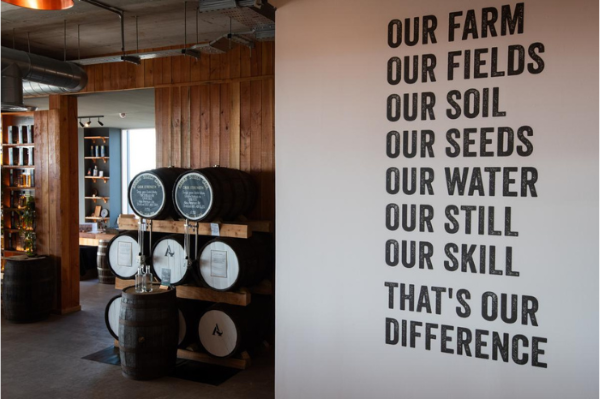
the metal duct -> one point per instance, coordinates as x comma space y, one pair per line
37, 68
34, 89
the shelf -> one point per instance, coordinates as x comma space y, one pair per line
18, 231
243, 297
94, 158
18, 188
94, 178
17, 167
105, 199
96, 218
19, 145
94, 138
20, 113
236, 230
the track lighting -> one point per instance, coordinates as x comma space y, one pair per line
89, 122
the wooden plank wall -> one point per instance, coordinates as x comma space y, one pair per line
57, 230
218, 110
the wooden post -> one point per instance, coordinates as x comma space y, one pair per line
61, 206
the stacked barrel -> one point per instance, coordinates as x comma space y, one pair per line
217, 263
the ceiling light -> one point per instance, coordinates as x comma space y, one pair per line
42, 4
88, 123
81, 123
100, 123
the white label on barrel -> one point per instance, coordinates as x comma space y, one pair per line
165, 276
215, 229
217, 333
193, 196
218, 264
124, 254
147, 195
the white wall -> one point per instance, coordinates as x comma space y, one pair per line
331, 126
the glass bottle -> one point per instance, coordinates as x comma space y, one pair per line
139, 279
148, 280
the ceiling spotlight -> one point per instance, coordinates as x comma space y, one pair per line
88, 123
122, 115
100, 123
81, 123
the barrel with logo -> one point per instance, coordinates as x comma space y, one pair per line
190, 311
105, 275
210, 193
28, 288
169, 256
225, 330
148, 333
123, 251
150, 193
226, 264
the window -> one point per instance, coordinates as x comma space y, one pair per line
139, 154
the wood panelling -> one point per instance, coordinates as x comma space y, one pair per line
238, 63
218, 110
57, 203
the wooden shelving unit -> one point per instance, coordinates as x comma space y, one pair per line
242, 297
102, 152
11, 174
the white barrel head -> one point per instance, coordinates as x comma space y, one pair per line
218, 333
219, 265
169, 254
123, 255
112, 316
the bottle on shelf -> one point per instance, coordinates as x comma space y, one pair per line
30, 134
96, 170
102, 151
91, 151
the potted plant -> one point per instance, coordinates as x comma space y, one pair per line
26, 228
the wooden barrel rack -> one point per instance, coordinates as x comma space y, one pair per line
241, 297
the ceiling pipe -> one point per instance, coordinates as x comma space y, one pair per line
121, 14
49, 71
19, 66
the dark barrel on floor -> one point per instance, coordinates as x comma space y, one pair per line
226, 263
148, 333
214, 193
28, 288
105, 275
150, 193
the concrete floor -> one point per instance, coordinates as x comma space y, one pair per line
45, 360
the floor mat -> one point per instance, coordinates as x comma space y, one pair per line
185, 369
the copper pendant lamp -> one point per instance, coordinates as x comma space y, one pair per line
42, 4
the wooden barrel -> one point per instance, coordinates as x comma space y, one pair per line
28, 291
105, 275
148, 333
169, 255
150, 193
210, 193
123, 251
225, 330
113, 311
111, 315
190, 311
226, 264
